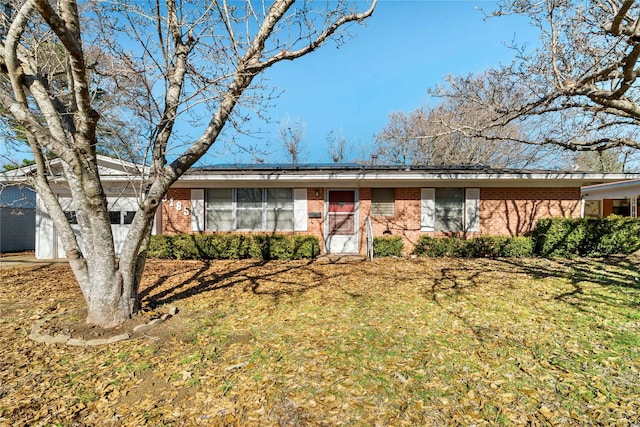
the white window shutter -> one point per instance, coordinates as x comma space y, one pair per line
472, 210
300, 209
197, 209
427, 209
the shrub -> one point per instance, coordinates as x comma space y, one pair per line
518, 247
185, 247
160, 247
558, 237
437, 246
589, 237
234, 246
387, 246
305, 247
483, 247
477, 247
223, 246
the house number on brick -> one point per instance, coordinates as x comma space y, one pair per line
178, 206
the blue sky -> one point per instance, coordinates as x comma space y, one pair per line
405, 48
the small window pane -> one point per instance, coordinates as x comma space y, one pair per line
280, 219
249, 219
114, 217
383, 201
220, 220
128, 217
71, 217
279, 198
592, 208
249, 198
341, 224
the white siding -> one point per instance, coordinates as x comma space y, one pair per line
300, 209
427, 209
197, 209
472, 210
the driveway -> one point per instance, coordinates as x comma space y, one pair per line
25, 259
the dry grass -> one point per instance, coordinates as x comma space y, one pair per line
390, 342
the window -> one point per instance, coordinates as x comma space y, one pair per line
220, 209
114, 217
280, 209
592, 209
71, 217
249, 209
383, 201
450, 209
128, 217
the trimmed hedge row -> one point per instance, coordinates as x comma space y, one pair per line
550, 238
233, 246
587, 237
477, 247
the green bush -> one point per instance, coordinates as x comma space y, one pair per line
559, 237
185, 247
483, 247
387, 246
160, 247
615, 235
234, 246
223, 246
283, 247
518, 247
438, 246
477, 247
588, 237
305, 247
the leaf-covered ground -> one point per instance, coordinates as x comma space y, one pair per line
391, 342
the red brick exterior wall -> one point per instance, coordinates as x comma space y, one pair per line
503, 211
174, 220
405, 222
514, 211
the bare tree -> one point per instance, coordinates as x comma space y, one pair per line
436, 136
178, 56
578, 89
336, 146
292, 134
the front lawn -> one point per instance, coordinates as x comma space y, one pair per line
389, 342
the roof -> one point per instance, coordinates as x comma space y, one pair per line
356, 175
318, 167
345, 175
612, 190
110, 170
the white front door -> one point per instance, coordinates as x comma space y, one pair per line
342, 222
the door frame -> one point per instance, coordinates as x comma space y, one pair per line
355, 238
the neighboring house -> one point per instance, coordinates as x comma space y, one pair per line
122, 183
614, 198
17, 218
333, 202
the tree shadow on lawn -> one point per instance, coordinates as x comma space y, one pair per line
621, 272
616, 271
254, 276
